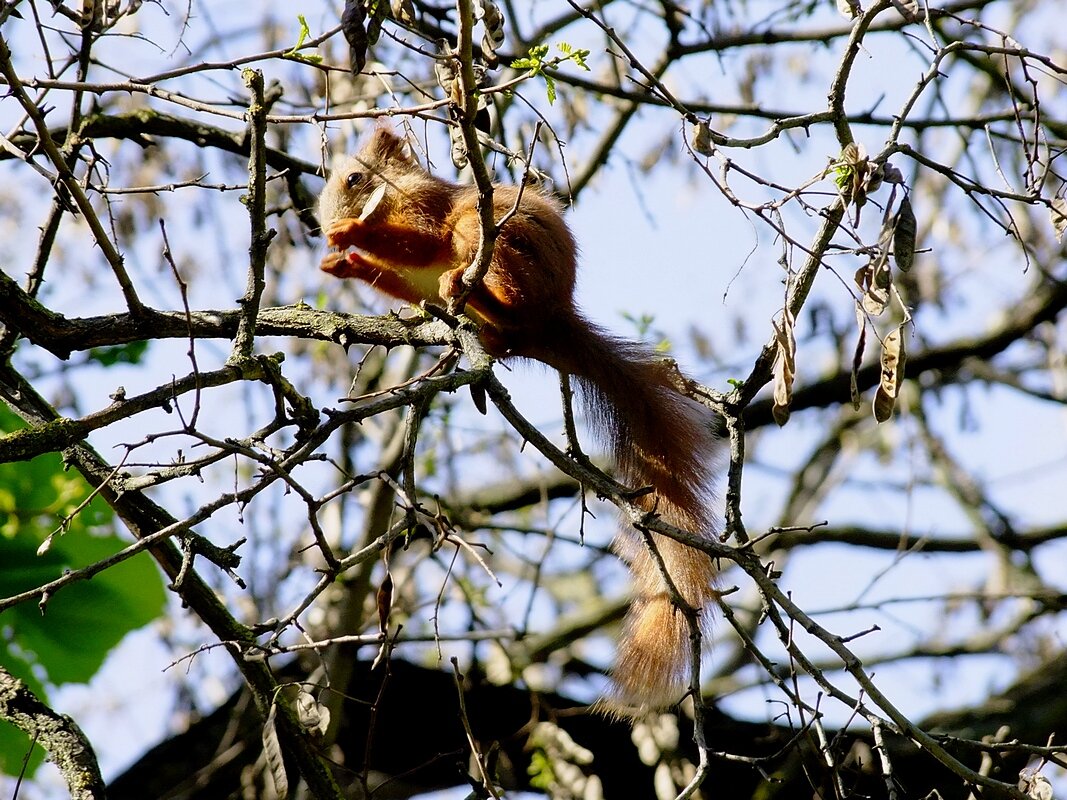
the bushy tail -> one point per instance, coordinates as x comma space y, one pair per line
661, 439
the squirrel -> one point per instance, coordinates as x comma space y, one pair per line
410, 234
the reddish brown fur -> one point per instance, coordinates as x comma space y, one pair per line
415, 246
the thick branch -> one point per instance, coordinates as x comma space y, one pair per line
62, 336
67, 746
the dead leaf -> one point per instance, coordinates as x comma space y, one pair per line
702, 138
385, 602
403, 11
459, 147
478, 396
1035, 785
909, 9
1058, 212
874, 180
891, 174
878, 279
850, 8
493, 21
312, 715
444, 69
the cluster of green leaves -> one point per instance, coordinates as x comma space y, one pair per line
68, 639
539, 65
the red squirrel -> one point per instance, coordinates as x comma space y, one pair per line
410, 234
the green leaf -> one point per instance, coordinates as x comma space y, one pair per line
574, 54
131, 353
302, 37
535, 63
542, 776
305, 32
535, 60
550, 88
642, 322
539, 51
83, 620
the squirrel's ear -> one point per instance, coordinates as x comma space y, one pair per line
391, 147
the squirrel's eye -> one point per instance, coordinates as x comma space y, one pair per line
352, 179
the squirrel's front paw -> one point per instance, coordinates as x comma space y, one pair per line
335, 264
348, 265
344, 233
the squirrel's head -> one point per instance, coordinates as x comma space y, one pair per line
365, 183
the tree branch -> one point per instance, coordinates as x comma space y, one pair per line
67, 746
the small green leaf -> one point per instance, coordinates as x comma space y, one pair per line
301, 36
642, 323
574, 54
534, 60
535, 64
540, 770
550, 88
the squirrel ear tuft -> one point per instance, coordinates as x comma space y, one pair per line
388, 146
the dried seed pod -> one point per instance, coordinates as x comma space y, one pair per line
904, 236
893, 360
